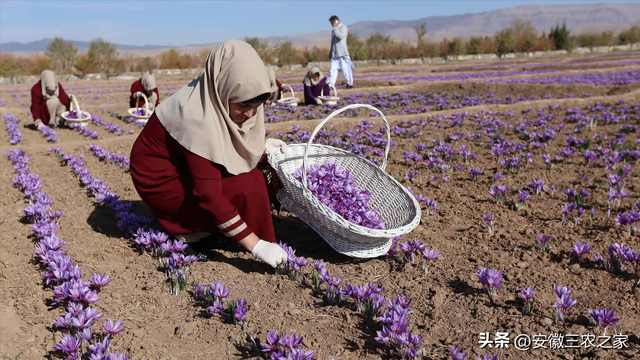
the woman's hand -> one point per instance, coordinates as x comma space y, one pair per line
269, 253
272, 144
318, 101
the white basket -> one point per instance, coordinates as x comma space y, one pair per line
83, 116
329, 100
292, 101
146, 109
397, 206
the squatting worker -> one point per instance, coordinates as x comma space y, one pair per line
147, 85
315, 84
48, 101
195, 162
340, 59
276, 88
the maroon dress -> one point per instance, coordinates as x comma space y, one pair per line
137, 86
188, 193
39, 108
312, 92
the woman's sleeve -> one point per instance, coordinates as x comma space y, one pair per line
36, 99
308, 94
157, 96
207, 188
132, 99
64, 98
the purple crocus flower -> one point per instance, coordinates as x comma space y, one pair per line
456, 353
579, 250
527, 296
537, 186
100, 280
563, 304
491, 279
543, 242
487, 357
604, 317
113, 328
489, 219
429, 255
474, 173
218, 290
69, 344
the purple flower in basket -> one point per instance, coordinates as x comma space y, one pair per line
139, 112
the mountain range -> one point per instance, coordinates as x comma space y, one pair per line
578, 17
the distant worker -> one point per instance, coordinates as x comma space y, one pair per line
146, 85
314, 84
340, 59
276, 88
48, 101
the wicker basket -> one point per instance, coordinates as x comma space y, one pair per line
83, 116
146, 109
397, 206
292, 101
329, 100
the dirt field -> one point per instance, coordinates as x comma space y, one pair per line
449, 307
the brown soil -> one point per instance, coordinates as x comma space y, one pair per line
449, 308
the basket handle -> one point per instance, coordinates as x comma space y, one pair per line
146, 103
335, 91
74, 101
290, 89
319, 127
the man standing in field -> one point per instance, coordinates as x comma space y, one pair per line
340, 60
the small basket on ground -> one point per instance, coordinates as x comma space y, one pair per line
329, 100
291, 101
76, 116
140, 114
396, 205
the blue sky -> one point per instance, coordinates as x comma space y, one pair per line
197, 22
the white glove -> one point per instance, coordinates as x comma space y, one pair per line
318, 101
137, 94
269, 253
272, 144
39, 124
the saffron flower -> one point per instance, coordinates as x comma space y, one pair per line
113, 328
523, 195
604, 317
429, 255
457, 354
491, 279
543, 242
489, 219
579, 250
527, 296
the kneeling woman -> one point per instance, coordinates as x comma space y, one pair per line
146, 85
195, 162
48, 101
314, 85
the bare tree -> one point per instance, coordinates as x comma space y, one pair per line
421, 31
377, 44
61, 54
104, 55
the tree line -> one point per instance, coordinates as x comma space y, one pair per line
102, 56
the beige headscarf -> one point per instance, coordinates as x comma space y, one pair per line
197, 115
308, 79
148, 84
274, 87
48, 80
148, 81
